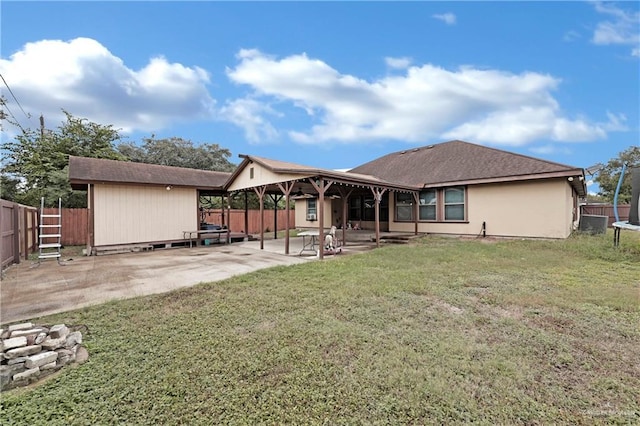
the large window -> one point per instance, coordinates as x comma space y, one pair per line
363, 207
447, 204
312, 209
428, 204
404, 206
454, 203
355, 208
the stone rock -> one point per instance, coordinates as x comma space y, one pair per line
58, 331
49, 366
23, 351
13, 369
27, 374
28, 332
50, 343
21, 326
40, 359
82, 354
13, 343
40, 338
18, 360
65, 356
73, 339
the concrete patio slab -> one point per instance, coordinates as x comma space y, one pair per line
28, 291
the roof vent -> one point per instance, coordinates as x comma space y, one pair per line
415, 149
430, 146
403, 152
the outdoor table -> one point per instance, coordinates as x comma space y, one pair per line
309, 241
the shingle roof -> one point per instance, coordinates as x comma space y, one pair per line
285, 167
84, 170
458, 161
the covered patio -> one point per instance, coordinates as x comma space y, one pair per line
288, 180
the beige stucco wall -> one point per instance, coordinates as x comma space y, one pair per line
125, 214
301, 214
261, 176
538, 209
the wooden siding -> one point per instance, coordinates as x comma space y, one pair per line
128, 214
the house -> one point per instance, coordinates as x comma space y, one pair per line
455, 187
468, 189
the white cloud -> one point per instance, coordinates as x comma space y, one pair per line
248, 114
86, 79
570, 36
549, 149
398, 63
623, 27
424, 103
447, 18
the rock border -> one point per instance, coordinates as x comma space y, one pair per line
30, 352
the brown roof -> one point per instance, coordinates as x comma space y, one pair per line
293, 168
458, 162
84, 170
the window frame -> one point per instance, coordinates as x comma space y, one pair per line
462, 203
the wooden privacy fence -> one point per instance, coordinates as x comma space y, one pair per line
74, 222
19, 232
237, 223
74, 225
606, 210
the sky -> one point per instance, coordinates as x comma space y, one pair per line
333, 84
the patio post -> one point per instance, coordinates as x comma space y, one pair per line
345, 209
286, 189
260, 193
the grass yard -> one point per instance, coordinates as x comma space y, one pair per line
440, 331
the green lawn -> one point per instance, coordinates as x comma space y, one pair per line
440, 331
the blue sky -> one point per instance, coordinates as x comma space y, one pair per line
334, 84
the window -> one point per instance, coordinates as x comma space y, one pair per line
454, 203
404, 206
312, 210
355, 208
428, 204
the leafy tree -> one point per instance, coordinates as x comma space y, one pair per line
178, 152
609, 176
36, 162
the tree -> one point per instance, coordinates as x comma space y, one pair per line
609, 176
36, 162
178, 152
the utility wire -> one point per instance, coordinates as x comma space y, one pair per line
15, 120
14, 97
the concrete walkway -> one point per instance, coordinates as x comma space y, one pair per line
28, 291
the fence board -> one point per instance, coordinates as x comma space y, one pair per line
74, 225
236, 224
607, 210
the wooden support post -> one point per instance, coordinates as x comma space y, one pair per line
416, 211
260, 193
377, 196
321, 186
246, 213
286, 189
344, 194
